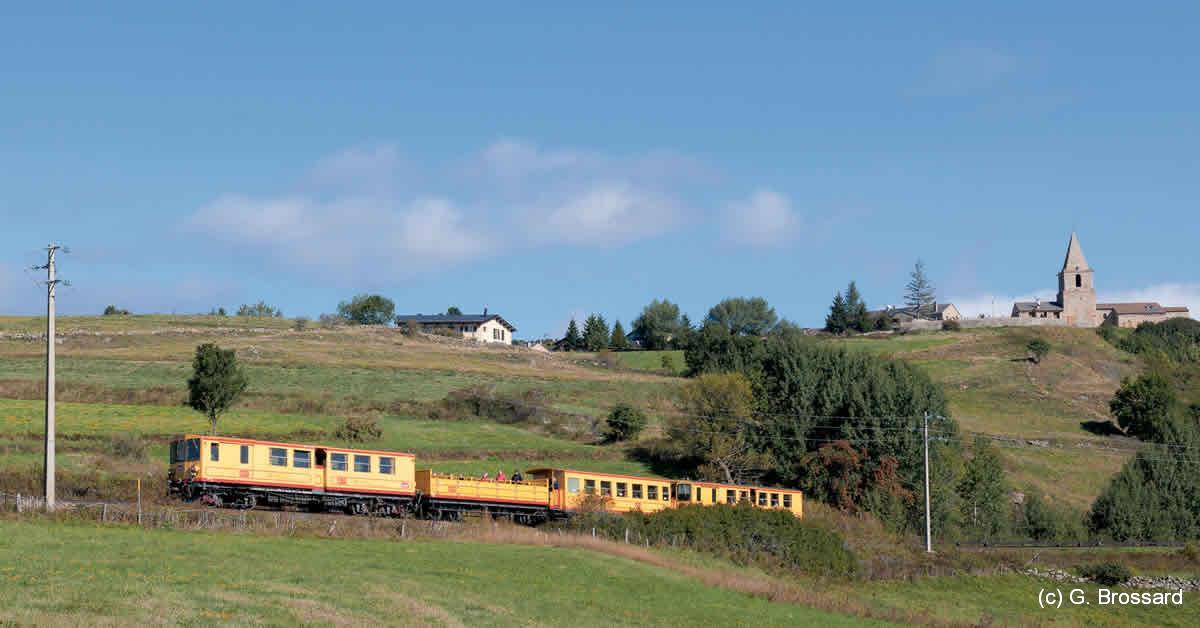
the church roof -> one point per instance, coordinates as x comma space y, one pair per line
1037, 306
1074, 259
1143, 307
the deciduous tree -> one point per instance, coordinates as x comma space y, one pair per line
368, 309
740, 315
658, 324
216, 383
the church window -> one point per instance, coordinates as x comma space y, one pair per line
1078, 281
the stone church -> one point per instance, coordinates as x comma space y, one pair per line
1076, 304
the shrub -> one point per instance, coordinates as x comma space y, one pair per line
668, 362
368, 309
217, 311
127, 447
447, 333
330, 321
300, 324
113, 310
625, 423
259, 310
742, 533
1038, 348
1108, 574
951, 325
1190, 552
359, 429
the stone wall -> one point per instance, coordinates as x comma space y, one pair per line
994, 321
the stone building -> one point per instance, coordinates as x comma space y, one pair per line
1076, 304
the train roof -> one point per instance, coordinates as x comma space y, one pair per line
251, 441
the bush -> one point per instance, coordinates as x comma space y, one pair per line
668, 362
625, 423
259, 310
1038, 348
1108, 574
368, 309
300, 324
127, 447
951, 326
742, 533
1190, 552
359, 429
330, 321
113, 310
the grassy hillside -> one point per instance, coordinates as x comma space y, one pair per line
127, 374
56, 574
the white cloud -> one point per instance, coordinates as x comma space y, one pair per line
605, 214
766, 218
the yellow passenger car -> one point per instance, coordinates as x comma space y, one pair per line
709, 493
447, 496
570, 489
242, 472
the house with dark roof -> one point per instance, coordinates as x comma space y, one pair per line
1077, 305
478, 327
935, 312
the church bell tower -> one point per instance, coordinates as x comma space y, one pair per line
1076, 292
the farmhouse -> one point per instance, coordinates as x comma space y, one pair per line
478, 327
1076, 303
935, 312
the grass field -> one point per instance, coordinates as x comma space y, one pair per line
84, 574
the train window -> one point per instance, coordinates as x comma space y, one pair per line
245, 454
572, 485
589, 487
605, 487
214, 452
337, 462
787, 500
278, 457
622, 489
731, 497
362, 464
714, 496
743, 496
387, 466
651, 491
774, 500
762, 498
193, 449
301, 459
666, 493
637, 491
683, 492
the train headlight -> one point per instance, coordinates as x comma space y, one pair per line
193, 471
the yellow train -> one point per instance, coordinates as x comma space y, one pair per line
244, 473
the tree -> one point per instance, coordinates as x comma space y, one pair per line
838, 319
595, 333
984, 492
713, 349
714, 426
572, 341
658, 324
259, 310
624, 423
857, 317
368, 309
618, 342
453, 311
919, 293
1145, 407
739, 315
113, 310
1038, 348
216, 383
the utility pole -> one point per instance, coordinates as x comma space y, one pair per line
51, 284
928, 527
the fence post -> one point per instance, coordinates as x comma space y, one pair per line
104, 513
139, 492
627, 536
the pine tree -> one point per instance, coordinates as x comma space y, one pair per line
618, 342
920, 294
857, 317
595, 333
572, 341
836, 321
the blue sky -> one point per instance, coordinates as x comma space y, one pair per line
548, 161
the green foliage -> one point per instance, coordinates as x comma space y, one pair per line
1156, 495
618, 342
773, 539
857, 317
217, 311
659, 324
258, 310
984, 493
712, 432
595, 333
113, 310
1041, 521
453, 311
367, 309
573, 341
1178, 339
1107, 574
1038, 348
668, 362
624, 423
359, 429
216, 382
951, 325
713, 349
1146, 408
748, 316
838, 319
300, 324
919, 293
